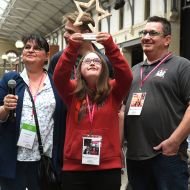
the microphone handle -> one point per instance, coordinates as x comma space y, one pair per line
12, 113
12, 91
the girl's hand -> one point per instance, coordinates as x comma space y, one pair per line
102, 37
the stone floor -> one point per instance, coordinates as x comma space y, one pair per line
124, 180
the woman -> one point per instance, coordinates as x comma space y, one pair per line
19, 160
93, 102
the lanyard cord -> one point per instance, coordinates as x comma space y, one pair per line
35, 96
142, 81
90, 111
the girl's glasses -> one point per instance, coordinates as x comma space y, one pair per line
88, 61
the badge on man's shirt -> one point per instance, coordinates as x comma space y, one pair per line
137, 103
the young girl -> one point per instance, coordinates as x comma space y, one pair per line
93, 102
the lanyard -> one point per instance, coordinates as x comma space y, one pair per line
146, 77
41, 79
90, 112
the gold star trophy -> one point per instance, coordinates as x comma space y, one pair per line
100, 14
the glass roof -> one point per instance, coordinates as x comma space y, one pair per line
3, 6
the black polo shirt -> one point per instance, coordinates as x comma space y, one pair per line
167, 96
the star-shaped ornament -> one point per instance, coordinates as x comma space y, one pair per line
100, 13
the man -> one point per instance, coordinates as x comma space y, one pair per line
156, 132
87, 46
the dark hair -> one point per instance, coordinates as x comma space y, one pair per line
86, 19
40, 40
103, 87
165, 24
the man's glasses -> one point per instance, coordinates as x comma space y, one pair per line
96, 61
151, 33
31, 48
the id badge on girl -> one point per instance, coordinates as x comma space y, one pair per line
91, 149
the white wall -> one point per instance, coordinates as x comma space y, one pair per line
139, 11
129, 33
114, 21
127, 15
104, 24
157, 7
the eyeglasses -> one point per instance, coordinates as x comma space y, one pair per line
95, 61
34, 48
151, 33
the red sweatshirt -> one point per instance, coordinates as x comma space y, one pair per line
105, 121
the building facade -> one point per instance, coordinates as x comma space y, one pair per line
125, 24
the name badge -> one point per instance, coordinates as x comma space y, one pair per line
91, 149
27, 136
137, 103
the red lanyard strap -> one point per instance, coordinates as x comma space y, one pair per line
41, 79
146, 77
35, 96
90, 112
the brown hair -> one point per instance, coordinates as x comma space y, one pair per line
85, 19
103, 88
166, 25
39, 40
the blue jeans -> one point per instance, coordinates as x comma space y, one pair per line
158, 173
26, 176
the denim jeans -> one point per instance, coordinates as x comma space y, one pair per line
158, 173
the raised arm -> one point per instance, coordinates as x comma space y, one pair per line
122, 71
64, 68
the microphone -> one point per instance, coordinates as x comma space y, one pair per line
12, 85
119, 4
